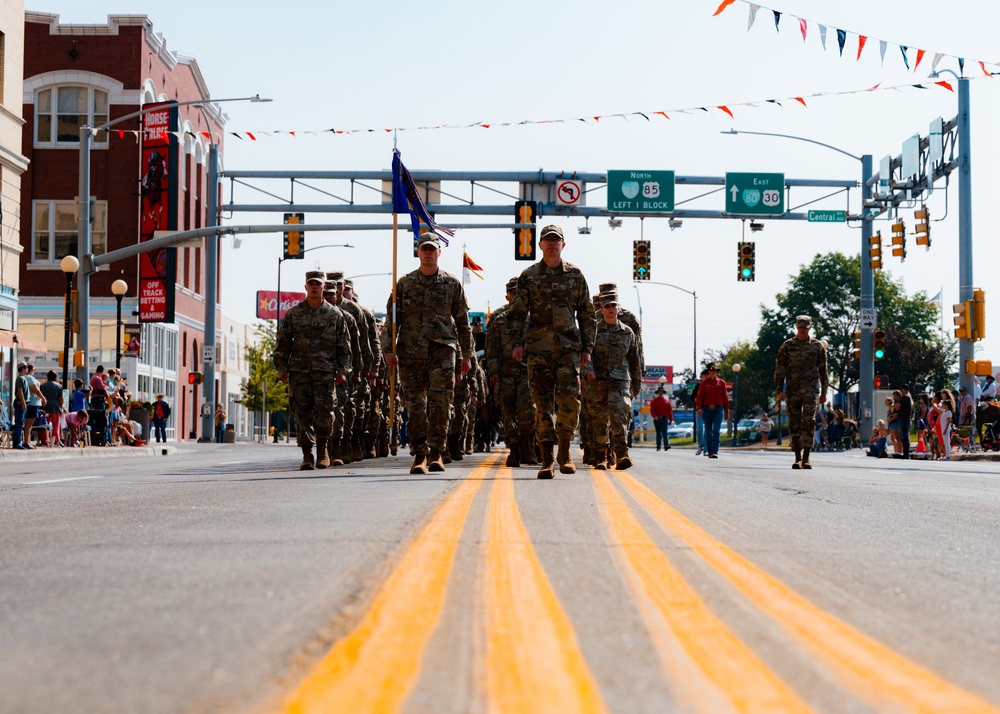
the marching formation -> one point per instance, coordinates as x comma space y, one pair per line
553, 359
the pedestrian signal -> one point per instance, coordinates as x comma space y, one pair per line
875, 251
899, 240
881, 381
194, 377
295, 242
923, 227
978, 314
856, 352
746, 256
963, 320
878, 344
640, 260
524, 238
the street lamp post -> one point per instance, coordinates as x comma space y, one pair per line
119, 288
736, 401
69, 265
85, 241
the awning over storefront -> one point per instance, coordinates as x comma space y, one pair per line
9, 338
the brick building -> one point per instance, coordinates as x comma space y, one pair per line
76, 75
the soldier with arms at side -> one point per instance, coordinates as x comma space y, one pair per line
800, 376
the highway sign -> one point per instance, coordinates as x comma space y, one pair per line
755, 194
640, 191
869, 318
827, 216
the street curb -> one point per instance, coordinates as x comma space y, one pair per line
92, 452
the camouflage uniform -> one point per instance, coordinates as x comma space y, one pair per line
344, 411
433, 323
369, 428
312, 347
517, 409
618, 375
801, 367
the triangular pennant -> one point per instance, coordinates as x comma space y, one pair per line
946, 85
982, 65
801, 101
723, 6
803, 27
881, 49
861, 45
822, 36
121, 133
662, 113
872, 89
724, 108
906, 60
752, 16
937, 58
920, 57
777, 19
252, 137
961, 65
841, 40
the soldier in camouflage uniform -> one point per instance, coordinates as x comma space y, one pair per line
615, 376
626, 317
312, 354
362, 445
343, 395
800, 375
432, 317
464, 389
510, 378
349, 392
553, 323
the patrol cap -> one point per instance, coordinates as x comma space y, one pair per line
551, 232
512, 285
336, 276
609, 299
429, 238
318, 275
803, 321
608, 287
348, 283
330, 286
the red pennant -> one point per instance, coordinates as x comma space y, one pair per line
252, 137
663, 113
985, 71
485, 126
801, 101
861, 45
872, 89
945, 85
121, 133
802, 27
723, 6
724, 108
597, 119
469, 263
206, 135
920, 56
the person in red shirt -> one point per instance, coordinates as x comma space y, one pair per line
663, 416
713, 404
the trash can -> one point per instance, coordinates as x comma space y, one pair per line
98, 423
230, 436
140, 416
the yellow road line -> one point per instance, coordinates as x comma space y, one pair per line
868, 667
374, 667
534, 663
722, 658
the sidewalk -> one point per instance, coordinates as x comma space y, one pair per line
45, 453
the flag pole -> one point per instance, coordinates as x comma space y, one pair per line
392, 333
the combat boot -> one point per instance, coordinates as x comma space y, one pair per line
805, 459
548, 468
419, 464
322, 454
563, 458
468, 444
513, 458
369, 447
434, 460
345, 450
357, 452
798, 459
527, 447
624, 460
589, 455
335, 459
307, 459
601, 459
454, 448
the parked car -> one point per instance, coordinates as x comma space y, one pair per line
681, 430
746, 431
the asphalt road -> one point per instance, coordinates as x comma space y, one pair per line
220, 579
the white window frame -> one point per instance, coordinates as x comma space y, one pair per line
53, 142
99, 231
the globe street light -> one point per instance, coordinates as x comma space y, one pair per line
69, 265
119, 288
736, 400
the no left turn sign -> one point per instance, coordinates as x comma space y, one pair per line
569, 192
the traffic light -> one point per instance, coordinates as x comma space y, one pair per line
899, 240
963, 320
524, 238
295, 242
881, 381
856, 352
194, 377
978, 314
640, 260
923, 227
878, 344
747, 257
875, 251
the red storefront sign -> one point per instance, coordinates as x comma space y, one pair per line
267, 303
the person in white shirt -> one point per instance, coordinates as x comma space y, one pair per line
990, 390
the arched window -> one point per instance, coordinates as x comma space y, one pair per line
62, 110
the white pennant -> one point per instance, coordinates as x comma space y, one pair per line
822, 35
882, 44
753, 15
937, 58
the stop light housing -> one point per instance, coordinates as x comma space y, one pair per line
747, 259
881, 381
878, 344
856, 352
640, 260
295, 242
963, 320
875, 251
524, 238
899, 240
978, 314
194, 377
923, 227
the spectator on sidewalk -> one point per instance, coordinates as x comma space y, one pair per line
77, 423
20, 400
53, 393
80, 393
764, 426
98, 389
36, 400
663, 416
161, 412
220, 424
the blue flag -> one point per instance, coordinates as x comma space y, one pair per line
406, 199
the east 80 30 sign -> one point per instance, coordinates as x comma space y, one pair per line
755, 194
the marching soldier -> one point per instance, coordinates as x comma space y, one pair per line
312, 354
432, 318
800, 374
369, 426
344, 412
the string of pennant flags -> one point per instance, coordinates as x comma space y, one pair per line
862, 40
595, 120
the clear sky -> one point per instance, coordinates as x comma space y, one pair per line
394, 64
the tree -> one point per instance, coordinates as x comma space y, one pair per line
912, 361
755, 390
263, 371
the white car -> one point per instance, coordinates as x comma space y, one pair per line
683, 430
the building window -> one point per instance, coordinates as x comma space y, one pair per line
54, 231
61, 111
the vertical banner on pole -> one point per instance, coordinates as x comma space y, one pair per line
158, 212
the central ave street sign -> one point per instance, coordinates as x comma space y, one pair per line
640, 191
827, 216
755, 194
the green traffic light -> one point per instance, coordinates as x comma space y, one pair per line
879, 354
746, 272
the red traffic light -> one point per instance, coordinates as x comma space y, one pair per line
194, 377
